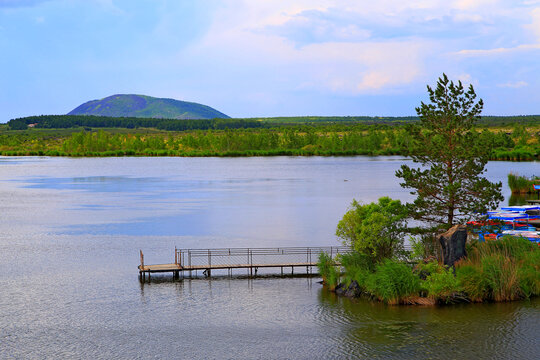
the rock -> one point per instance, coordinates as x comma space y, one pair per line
353, 290
340, 289
453, 244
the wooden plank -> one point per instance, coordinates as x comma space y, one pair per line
175, 267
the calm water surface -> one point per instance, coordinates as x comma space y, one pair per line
71, 230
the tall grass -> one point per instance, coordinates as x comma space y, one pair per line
521, 184
328, 271
503, 270
393, 282
358, 268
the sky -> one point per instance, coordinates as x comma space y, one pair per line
264, 58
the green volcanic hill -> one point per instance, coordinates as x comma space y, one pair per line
146, 107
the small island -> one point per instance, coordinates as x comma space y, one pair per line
445, 265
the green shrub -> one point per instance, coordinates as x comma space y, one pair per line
423, 270
441, 285
357, 268
392, 282
375, 229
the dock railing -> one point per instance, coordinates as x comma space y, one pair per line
254, 256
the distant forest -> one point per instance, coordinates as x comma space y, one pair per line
73, 121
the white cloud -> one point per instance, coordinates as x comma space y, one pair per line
534, 26
514, 85
498, 51
342, 53
474, 4
336, 65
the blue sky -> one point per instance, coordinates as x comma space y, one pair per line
268, 57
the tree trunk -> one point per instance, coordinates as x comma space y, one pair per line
453, 244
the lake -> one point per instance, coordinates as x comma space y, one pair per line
71, 230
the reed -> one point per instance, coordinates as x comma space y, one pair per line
393, 282
502, 270
328, 271
521, 184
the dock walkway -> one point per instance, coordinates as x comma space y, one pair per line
207, 260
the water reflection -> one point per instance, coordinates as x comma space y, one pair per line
521, 199
491, 331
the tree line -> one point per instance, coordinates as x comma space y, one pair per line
90, 121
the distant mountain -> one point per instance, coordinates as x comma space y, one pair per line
146, 107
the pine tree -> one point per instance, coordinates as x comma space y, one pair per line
448, 186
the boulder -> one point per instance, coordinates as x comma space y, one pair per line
353, 290
453, 244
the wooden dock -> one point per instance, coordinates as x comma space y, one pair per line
186, 261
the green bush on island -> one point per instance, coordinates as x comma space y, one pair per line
374, 230
441, 285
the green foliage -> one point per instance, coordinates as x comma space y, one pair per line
449, 186
374, 230
327, 270
509, 246
441, 284
424, 245
357, 267
91, 121
418, 251
503, 270
392, 282
18, 125
424, 269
